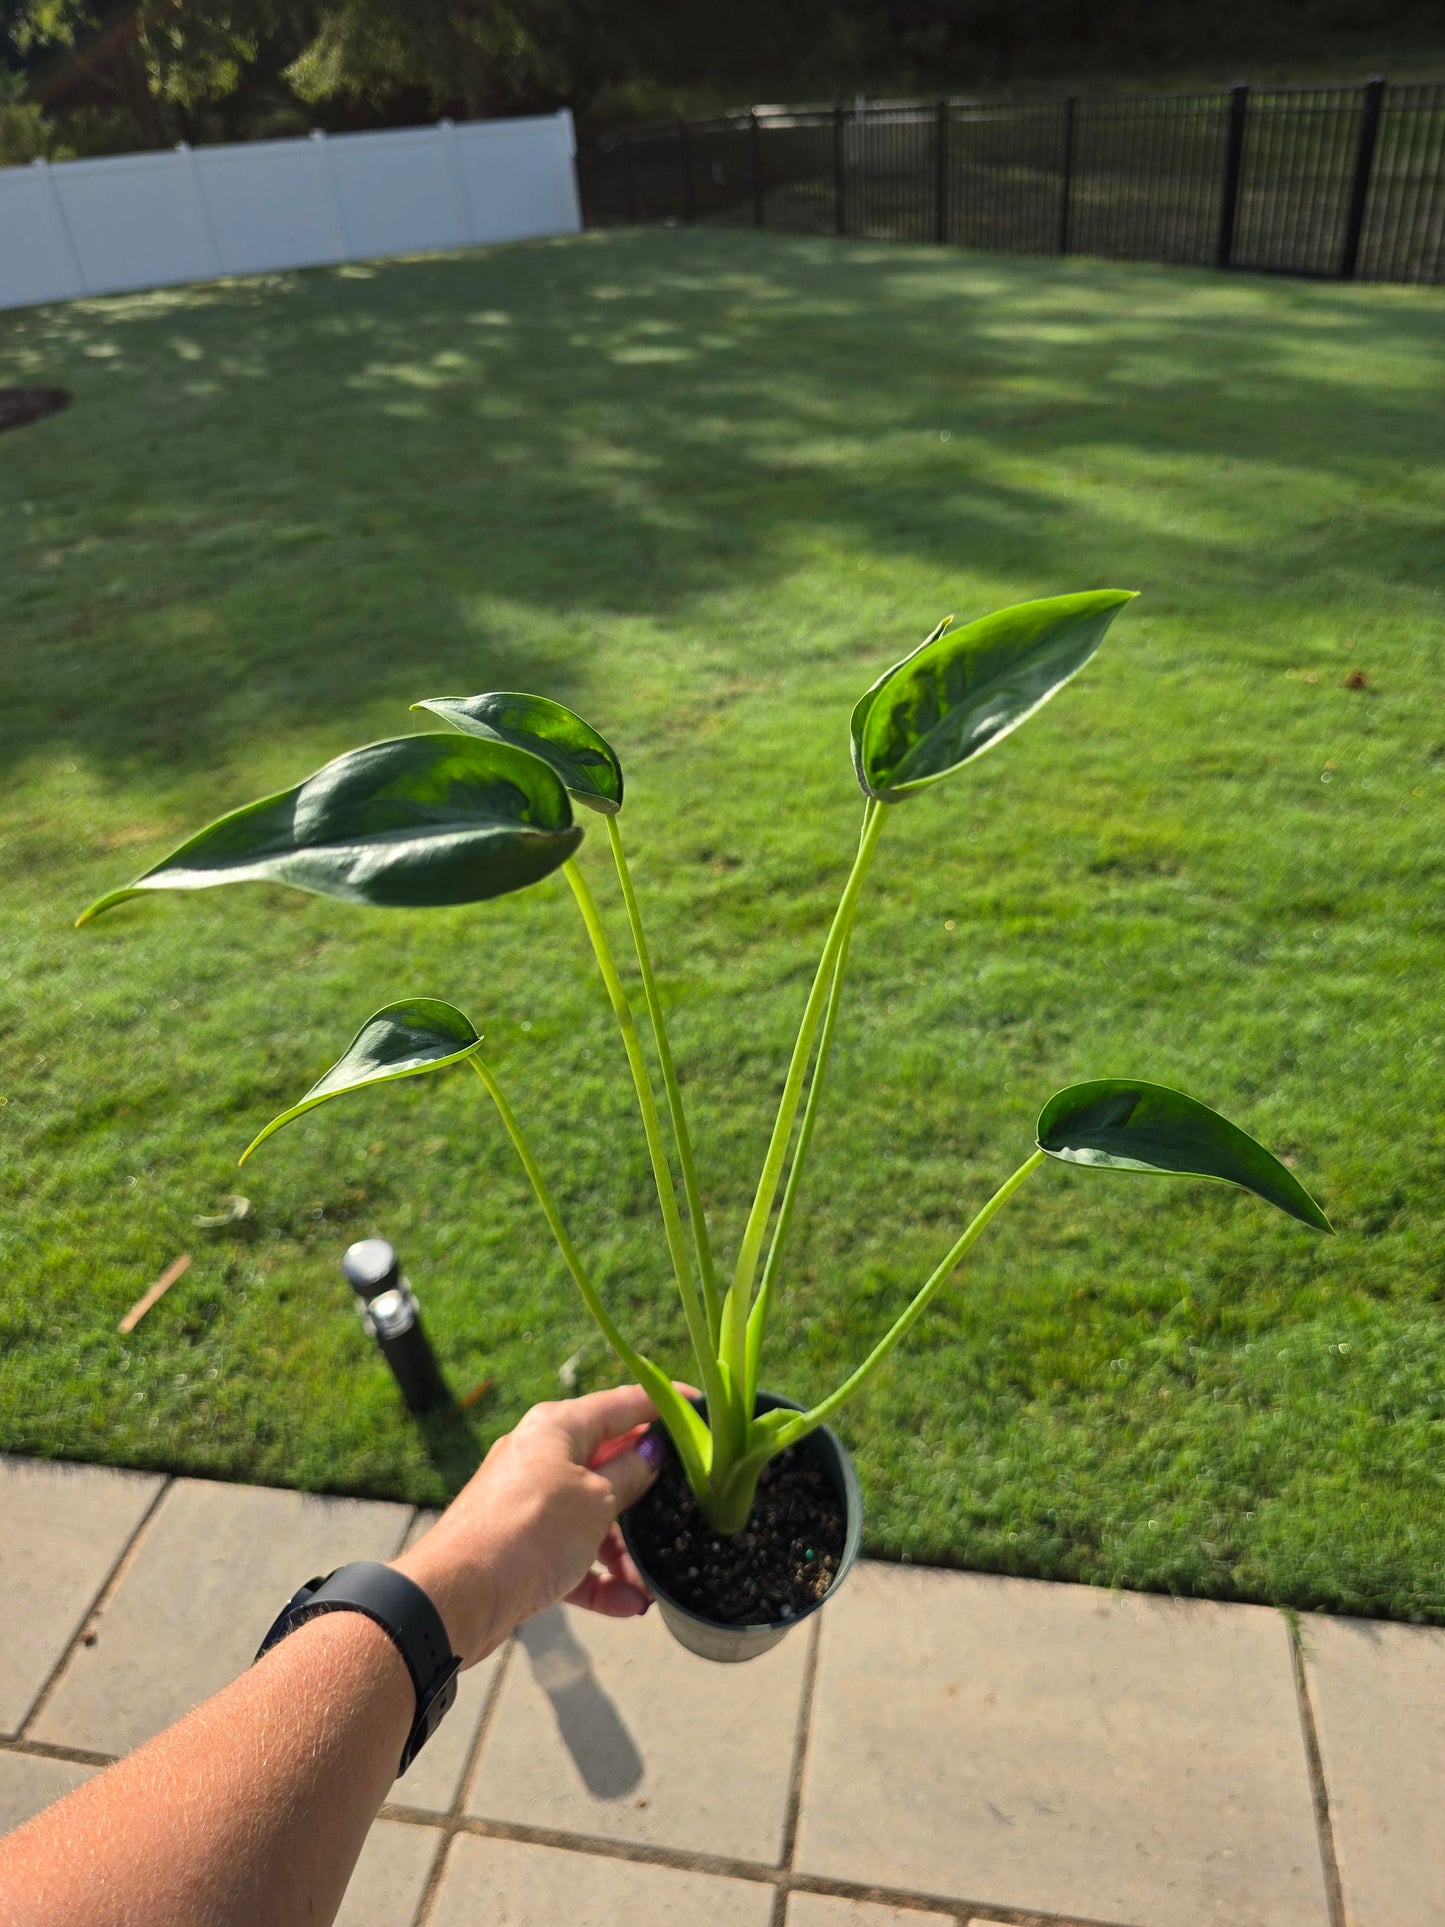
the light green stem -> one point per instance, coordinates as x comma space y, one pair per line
736, 1305
711, 1297
762, 1304
714, 1384
630, 1358
653, 1381
809, 1421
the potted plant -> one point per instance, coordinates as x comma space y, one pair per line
487, 808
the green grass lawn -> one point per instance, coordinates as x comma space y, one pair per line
704, 487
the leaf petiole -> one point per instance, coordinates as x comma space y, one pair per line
701, 1246
762, 1304
738, 1300
688, 1432
719, 1402
806, 1422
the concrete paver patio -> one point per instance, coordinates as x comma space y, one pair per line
935, 1747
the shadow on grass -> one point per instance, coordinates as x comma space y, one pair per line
453, 1444
275, 497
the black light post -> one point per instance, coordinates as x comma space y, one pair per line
390, 1312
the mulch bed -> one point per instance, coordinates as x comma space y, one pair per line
21, 405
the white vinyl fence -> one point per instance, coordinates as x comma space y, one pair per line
151, 220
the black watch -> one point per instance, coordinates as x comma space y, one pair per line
410, 1621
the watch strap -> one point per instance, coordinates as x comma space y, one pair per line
408, 1618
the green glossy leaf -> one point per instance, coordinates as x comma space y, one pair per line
403, 1040
1120, 1124
963, 690
585, 761
414, 823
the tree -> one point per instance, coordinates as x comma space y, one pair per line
147, 74
469, 53
144, 72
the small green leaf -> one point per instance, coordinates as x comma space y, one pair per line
1123, 1125
403, 1040
963, 690
413, 823
585, 761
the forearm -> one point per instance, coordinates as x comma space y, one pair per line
253, 1808
251, 1811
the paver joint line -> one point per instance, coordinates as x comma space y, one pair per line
434, 1872
1329, 1858
1058, 1751
800, 1748
795, 1781
1376, 1693
448, 1826
432, 1889
50, 1750
97, 1605
597, 1735
998, 1914
643, 1853
780, 1875
684, 1862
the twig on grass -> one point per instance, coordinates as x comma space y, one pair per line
157, 1291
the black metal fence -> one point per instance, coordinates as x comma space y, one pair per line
1328, 181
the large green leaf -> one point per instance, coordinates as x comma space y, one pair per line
421, 821
1120, 1124
403, 1040
963, 690
585, 761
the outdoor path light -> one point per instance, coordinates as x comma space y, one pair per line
391, 1314
447, 819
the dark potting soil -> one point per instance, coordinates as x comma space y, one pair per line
21, 405
782, 1562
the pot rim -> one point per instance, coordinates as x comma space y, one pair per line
852, 1493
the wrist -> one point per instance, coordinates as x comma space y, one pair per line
345, 1662
463, 1592
350, 1644
407, 1617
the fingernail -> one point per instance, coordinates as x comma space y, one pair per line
653, 1449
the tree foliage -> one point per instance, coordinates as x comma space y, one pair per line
144, 72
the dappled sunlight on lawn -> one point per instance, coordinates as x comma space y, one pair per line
703, 487
641, 421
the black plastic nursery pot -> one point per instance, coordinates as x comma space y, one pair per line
714, 1639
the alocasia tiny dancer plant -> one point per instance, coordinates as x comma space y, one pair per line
456, 818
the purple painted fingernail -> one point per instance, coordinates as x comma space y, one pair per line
653, 1448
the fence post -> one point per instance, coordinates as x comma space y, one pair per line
330, 194
755, 165
1071, 115
1364, 163
684, 149
187, 156
629, 183
456, 190
940, 175
840, 205
62, 223
1233, 172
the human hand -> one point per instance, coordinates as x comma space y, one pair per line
525, 1530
